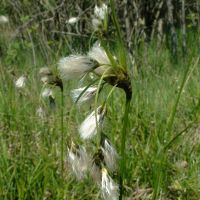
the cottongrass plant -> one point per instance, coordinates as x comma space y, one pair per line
111, 70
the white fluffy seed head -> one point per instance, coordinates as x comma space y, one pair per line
79, 161
101, 12
72, 20
86, 96
88, 128
109, 189
98, 54
47, 92
20, 82
110, 155
74, 66
3, 19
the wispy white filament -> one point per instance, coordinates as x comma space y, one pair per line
98, 54
20, 82
86, 96
74, 66
110, 190
79, 161
110, 155
88, 128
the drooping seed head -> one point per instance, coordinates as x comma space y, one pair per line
110, 154
84, 94
79, 160
74, 66
89, 126
109, 189
98, 54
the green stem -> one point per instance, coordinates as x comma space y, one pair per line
62, 134
123, 146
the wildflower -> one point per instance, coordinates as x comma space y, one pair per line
89, 126
47, 92
72, 20
101, 12
79, 160
110, 154
110, 190
84, 94
98, 54
3, 19
20, 82
74, 66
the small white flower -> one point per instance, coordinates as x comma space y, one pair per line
3, 19
79, 160
110, 190
20, 82
101, 12
72, 20
40, 113
86, 96
98, 54
88, 128
110, 155
74, 66
47, 92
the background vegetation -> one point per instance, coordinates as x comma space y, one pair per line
163, 39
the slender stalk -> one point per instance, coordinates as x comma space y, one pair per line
123, 146
62, 134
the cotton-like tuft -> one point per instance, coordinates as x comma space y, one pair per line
109, 189
82, 95
74, 66
88, 128
20, 82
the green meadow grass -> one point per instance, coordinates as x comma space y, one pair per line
163, 138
